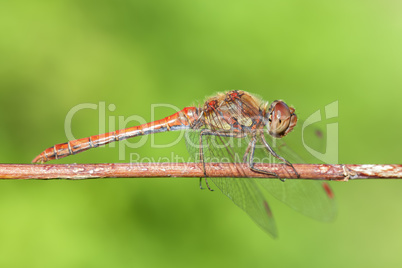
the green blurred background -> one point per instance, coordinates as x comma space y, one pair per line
58, 54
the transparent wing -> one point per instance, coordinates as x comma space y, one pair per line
311, 198
244, 192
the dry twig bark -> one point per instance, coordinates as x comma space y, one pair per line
149, 170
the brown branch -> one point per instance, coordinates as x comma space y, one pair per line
148, 170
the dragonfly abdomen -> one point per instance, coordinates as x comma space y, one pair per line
180, 120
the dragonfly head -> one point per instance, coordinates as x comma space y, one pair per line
281, 119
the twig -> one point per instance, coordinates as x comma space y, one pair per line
148, 170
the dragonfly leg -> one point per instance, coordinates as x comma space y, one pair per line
201, 184
246, 153
205, 132
251, 161
278, 156
206, 182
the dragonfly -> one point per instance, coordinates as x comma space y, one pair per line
236, 127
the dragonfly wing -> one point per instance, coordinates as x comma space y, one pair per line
311, 198
245, 193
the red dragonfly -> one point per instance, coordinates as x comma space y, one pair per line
233, 127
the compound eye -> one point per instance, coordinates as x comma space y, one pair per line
281, 119
281, 111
